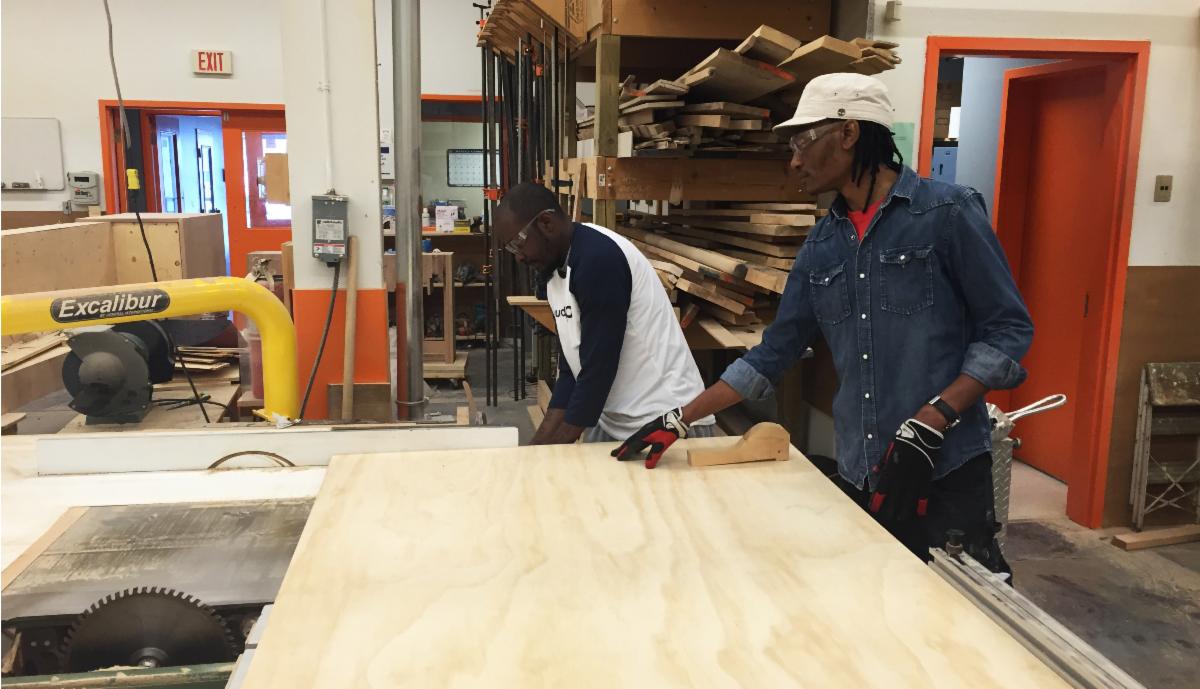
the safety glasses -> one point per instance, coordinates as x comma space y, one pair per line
804, 139
514, 245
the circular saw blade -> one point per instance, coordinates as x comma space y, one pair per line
148, 625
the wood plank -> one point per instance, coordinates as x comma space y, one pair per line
768, 45
437, 370
20, 352
665, 87
709, 294
727, 76
797, 576
869, 65
745, 125
748, 215
703, 256
822, 56
638, 100
733, 110
764, 441
630, 108
719, 333
689, 314
751, 228
727, 317
795, 207
538, 308
1157, 537
762, 259
778, 250
543, 395
715, 121
698, 179
666, 267
724, 278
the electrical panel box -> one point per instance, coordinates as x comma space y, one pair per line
330, 229
85, 188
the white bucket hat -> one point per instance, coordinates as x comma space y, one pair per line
841, 96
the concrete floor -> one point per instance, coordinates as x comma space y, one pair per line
1141, 609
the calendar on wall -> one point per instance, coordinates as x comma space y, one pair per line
464, 167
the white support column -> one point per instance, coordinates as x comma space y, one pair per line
348, 31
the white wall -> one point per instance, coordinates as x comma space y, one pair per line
1163, 233
979, 123
55, 64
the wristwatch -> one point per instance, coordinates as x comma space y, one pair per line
945, 410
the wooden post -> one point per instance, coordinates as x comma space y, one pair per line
608, 84
351, 327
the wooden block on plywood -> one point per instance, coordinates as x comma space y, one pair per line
764, 441
372, 402
9, 423
437, 370
822, 56
728, 76
52, 257
536, 415
707, 333
768, 45
543, 395
714, 121
733, 110
1156, 537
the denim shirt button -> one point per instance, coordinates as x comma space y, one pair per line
864, 357
867, 395
870, 437
862, 276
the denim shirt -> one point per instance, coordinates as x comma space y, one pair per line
927, 295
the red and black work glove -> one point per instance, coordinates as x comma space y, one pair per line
906, 472
656, 435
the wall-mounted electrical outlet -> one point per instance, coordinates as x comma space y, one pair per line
1162, 188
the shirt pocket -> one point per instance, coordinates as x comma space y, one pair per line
906, 279
830, 295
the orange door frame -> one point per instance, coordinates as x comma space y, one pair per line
113, 156
1085, 503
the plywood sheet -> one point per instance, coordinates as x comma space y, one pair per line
558, 566
51, 257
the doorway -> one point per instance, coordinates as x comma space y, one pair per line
1056, 163
204, 158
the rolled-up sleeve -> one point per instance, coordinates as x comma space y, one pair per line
1003, 330
783, 342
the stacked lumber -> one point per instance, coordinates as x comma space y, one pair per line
206, 359
726, 105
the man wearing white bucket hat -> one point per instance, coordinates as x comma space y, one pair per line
907, 283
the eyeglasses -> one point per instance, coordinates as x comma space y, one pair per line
514, 245
804, 139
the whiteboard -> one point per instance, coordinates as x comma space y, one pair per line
31, 153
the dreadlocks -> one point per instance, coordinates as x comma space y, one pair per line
875, 147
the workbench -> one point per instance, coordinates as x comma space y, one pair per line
559, 566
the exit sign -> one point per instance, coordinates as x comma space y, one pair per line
212, 62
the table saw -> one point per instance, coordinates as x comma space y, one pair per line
560, 566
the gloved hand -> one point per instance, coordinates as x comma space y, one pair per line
905, 473
657, 435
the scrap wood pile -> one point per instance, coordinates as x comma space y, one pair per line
207, 359
727, 264
727, 104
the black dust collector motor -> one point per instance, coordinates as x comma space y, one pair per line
110, 374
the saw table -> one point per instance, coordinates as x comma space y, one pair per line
558, 566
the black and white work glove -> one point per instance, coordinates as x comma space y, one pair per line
906, 473
657, 435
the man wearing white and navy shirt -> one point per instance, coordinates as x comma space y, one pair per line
623, 356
